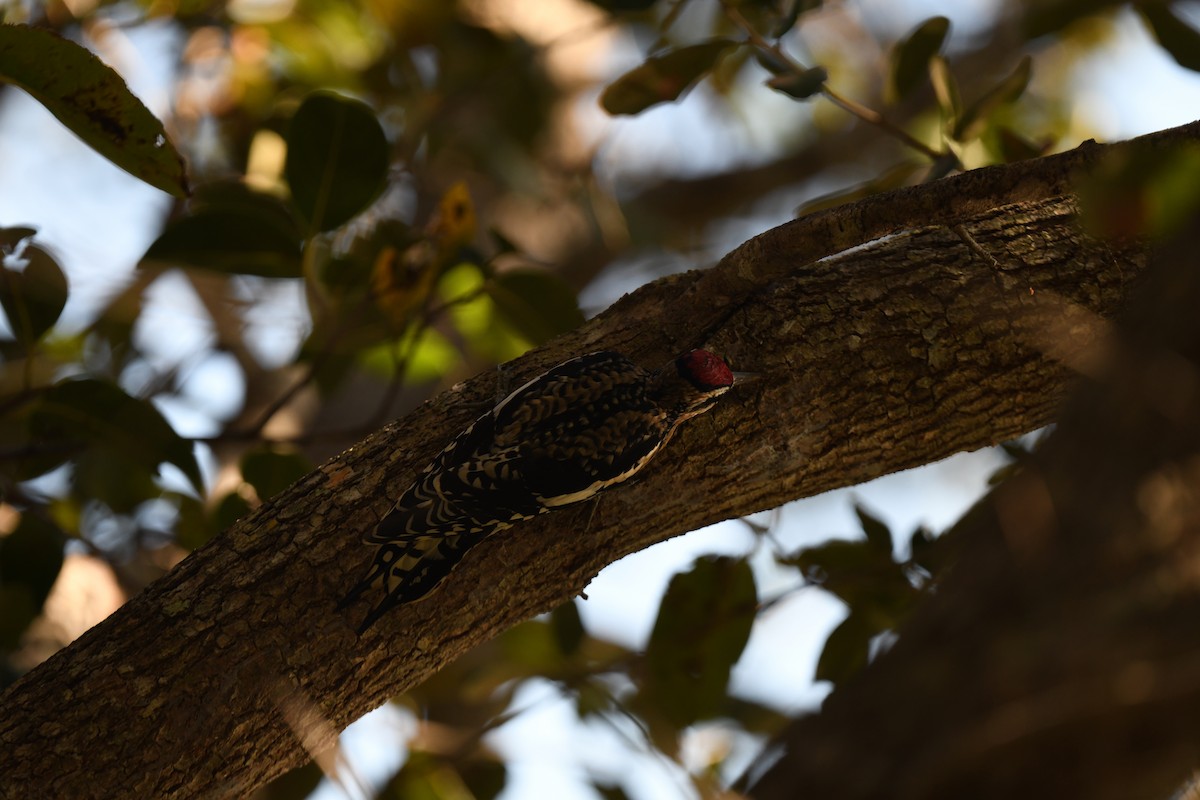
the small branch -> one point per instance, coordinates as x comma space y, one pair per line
868, 115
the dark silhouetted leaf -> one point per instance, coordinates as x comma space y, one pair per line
484, 777
910, 58
537, 304
662, 78
846, 650
1015, 147
893, 178
30, 559
609, 791
878, 533
231, 229
98, 415
91, 99
1175, 36
567, 627
231, 508
295, 784
623, 6
971, 123
337, 159
859, 573
193, 526
270, 470
112, 477
11, 237
702, 627
800, 85
33, 297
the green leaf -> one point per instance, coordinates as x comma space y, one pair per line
702, 627
233, 230
859, 573
1175, 36
910, 58
800, 85
293, 784
846, 650
662, 78
33, 298
337, 159
30, 559
109, 476
537, 304
231, 508
624, 6
91, 99
270, 470
567, 628
99, 416
1012, 146
973, 120
11, 237
892, 178
878, 534
193, 527
945, 90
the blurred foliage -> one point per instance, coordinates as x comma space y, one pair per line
416, 177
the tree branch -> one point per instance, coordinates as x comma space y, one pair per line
235, 666
1061, 657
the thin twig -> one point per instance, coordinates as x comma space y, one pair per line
868, 115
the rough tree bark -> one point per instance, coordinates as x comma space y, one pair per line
949, 332
1061, 657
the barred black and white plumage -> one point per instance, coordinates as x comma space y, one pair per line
587, 424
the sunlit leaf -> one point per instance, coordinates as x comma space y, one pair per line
90, 98
97, 414
33, 297
703, 624
1175, 36
910, 58
425, 359
337, 159
662, 78
271, 470
945, 90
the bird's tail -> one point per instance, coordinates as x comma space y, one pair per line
409, 569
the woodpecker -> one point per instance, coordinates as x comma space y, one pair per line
583, 426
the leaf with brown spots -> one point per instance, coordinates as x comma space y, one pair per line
92, 100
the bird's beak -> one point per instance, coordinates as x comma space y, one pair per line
745, 377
